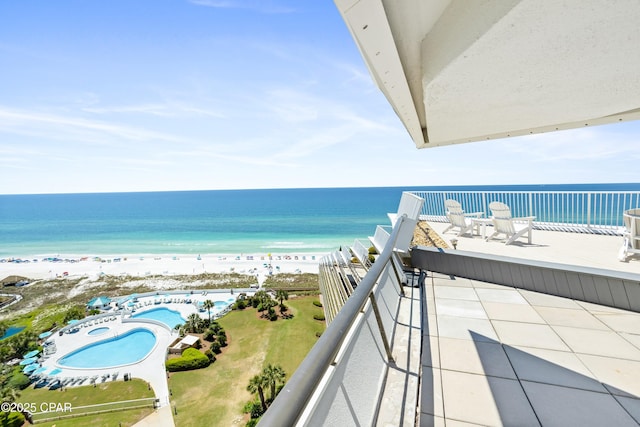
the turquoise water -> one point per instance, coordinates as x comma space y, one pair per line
126, 349
11, 331
98, 331
170, 318
215, 222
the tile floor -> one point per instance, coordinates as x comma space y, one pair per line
494, 355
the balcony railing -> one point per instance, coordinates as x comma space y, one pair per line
585, 212
341, 380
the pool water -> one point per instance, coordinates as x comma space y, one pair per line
126, 349
220, 304
12, 330
170, 318
98, 331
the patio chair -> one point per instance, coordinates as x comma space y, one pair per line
504, 223
631, 234
458, 219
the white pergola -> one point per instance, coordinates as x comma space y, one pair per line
468, 70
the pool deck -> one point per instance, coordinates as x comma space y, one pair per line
151, 368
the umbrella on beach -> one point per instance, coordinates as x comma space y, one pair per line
30, 368
31, 354
44, 335
28, 361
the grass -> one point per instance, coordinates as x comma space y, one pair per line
216, 395
89, 395
291, 282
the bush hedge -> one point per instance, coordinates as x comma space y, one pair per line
19, 381
319, 316
190, 359
13, 419
317, 303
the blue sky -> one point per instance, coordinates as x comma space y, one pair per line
146, 95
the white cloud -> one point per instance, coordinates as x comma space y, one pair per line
262, 6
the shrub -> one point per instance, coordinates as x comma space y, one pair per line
215, 327
317, 303
210, 355
222, 339
76, 312
190, 359
19, 380
253, 422
13, 419
372, 251
319, 316
209, 335
215, 347
318, 334
241, 304
372, 258
253, 408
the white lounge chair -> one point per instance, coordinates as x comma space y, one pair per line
458, 219
631, 234
504, 223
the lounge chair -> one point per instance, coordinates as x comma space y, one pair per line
504, 223
458, 219
631, 234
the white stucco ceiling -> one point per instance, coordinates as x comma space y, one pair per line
461, 71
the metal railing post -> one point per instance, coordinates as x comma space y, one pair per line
588, 209
383, 334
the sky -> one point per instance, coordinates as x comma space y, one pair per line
163, 95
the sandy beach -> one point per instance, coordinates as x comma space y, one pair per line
39, 267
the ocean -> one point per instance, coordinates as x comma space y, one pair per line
204, 222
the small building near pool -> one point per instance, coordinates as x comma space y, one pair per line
181, 344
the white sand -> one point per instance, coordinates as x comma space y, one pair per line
146, 265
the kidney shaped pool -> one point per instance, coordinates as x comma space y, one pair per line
125, 349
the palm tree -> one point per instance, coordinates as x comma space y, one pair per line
273, 374
256, 385
282, 295
208, 305
193, 323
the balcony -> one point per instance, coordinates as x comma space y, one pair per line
486, 334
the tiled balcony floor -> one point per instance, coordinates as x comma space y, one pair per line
494, 355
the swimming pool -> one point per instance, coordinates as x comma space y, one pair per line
126, 349
98, 331
170, 318
11, 331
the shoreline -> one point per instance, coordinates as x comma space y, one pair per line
143, 265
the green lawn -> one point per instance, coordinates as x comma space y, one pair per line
216, 395
89, 395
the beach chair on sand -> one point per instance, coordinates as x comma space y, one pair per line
458, 219
631, 234
504, 223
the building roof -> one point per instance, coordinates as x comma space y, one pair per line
459, 72
189, 340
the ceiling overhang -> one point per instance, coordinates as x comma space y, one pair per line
459, 71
